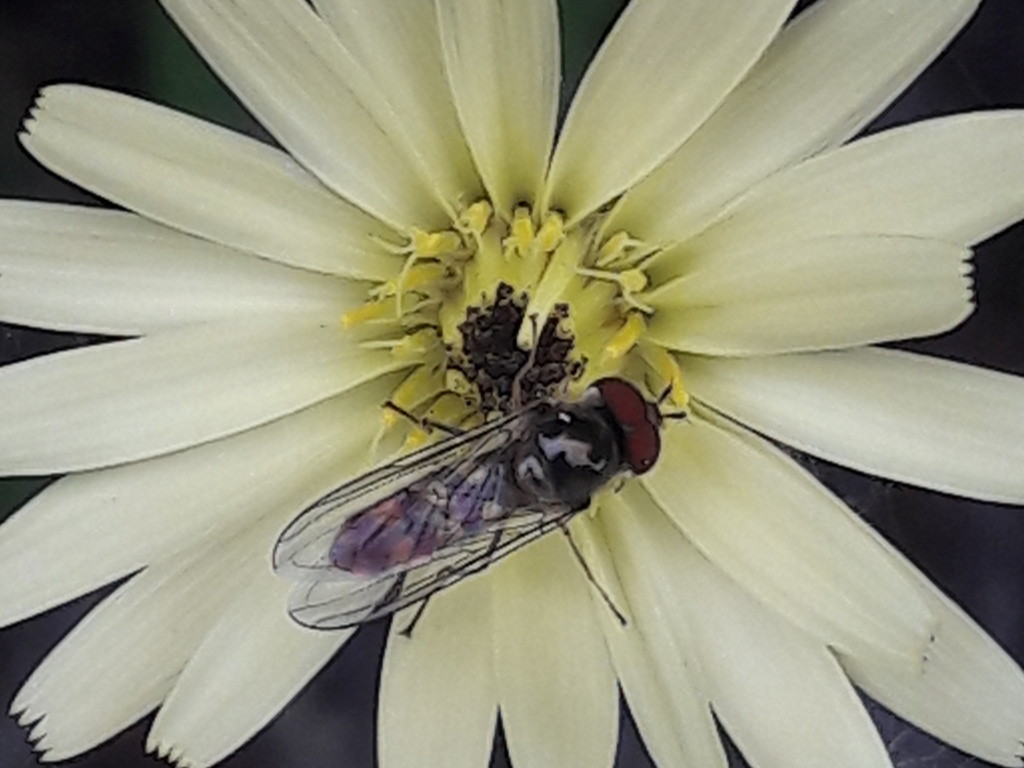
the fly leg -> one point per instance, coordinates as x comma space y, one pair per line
440, 576
517, 382
424, 423
407, 631
590, 576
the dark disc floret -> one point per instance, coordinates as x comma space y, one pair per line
491, 357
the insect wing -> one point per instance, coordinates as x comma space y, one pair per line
474, 553
339, 603
304, 550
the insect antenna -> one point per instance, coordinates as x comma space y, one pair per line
675, 415
590, 577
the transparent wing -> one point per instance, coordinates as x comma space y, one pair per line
303, 549
351, 600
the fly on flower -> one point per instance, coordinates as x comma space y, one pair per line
404, 531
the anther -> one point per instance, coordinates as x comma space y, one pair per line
630, 282
621, 249
412, 346
433, 244
665, 366
551, 233
553, 287
369, 312
626, 337
523, 230
476, 218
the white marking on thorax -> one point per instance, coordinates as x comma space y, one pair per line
576, 452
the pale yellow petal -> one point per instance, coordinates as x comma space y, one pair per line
72, 268
503, 66
556, 688
89, 529
970, 694
203, 179
916, 419
657, 668
664, 68
784, 538
780, 694
398, 44
823, 293
955, 178
123, 658
438, 696
129, 400
253, 660
824, 78
288, 68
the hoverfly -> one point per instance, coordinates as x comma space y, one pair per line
404, 531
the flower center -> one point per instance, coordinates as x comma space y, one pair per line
498, 313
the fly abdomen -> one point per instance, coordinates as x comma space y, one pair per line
385, 535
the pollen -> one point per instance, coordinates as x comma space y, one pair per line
551, 232
631, 282
667, 372
626, 337
553, 287
476, 218
365, 313
523, 231
433, 244
499, 310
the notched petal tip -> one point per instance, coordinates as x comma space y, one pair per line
20, 710
169, 753
37, 732
28, 127
34, 727
158, 749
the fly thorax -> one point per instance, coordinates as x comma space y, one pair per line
573, 453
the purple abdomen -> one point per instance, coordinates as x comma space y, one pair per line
385, 535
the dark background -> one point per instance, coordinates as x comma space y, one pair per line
971, 550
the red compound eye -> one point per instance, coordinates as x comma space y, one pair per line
639, 420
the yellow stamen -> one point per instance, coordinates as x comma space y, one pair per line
433, 244
417, 276
417, 439
418, 387
449, 411
552, 232
613, 249
622, 250
416, 345
413, 346
476, 218
553, 287
630, 282
456, 381
480, 275
626, 337
665, 366
523, 231
368, 312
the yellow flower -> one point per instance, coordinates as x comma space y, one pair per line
697, 225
